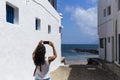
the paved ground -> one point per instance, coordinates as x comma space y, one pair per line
81, 72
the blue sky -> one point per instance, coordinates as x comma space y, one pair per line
79, 21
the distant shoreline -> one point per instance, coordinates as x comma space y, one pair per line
79, 44
92, 51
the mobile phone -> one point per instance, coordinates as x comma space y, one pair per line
46, 42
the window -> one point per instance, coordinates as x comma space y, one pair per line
118, 4
11, 14
109, 10
49, 0
60, 29
101, 43
53, 3
37, 24
108, 39
49, 29
104, 12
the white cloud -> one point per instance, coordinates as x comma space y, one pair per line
86, 19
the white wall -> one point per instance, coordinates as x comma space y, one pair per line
106, 27
18, 41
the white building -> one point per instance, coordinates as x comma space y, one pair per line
23, 23
109, 30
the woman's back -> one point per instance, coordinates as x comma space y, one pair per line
42, 72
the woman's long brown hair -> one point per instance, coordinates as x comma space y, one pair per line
39, 55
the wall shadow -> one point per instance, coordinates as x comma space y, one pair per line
88, 72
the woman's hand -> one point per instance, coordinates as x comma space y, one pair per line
51, 44
41, 42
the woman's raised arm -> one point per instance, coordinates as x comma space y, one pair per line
52, 58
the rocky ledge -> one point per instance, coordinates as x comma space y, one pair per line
86, 50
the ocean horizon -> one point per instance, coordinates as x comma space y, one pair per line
71, 56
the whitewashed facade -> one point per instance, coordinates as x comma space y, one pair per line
109, 30
23, 23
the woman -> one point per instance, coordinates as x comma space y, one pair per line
42, 63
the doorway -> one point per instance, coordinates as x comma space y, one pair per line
105, 49
119, 49
113, 49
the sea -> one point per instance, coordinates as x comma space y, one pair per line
72, 56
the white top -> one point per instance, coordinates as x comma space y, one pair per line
45, 73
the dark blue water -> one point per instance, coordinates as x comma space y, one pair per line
72, 56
